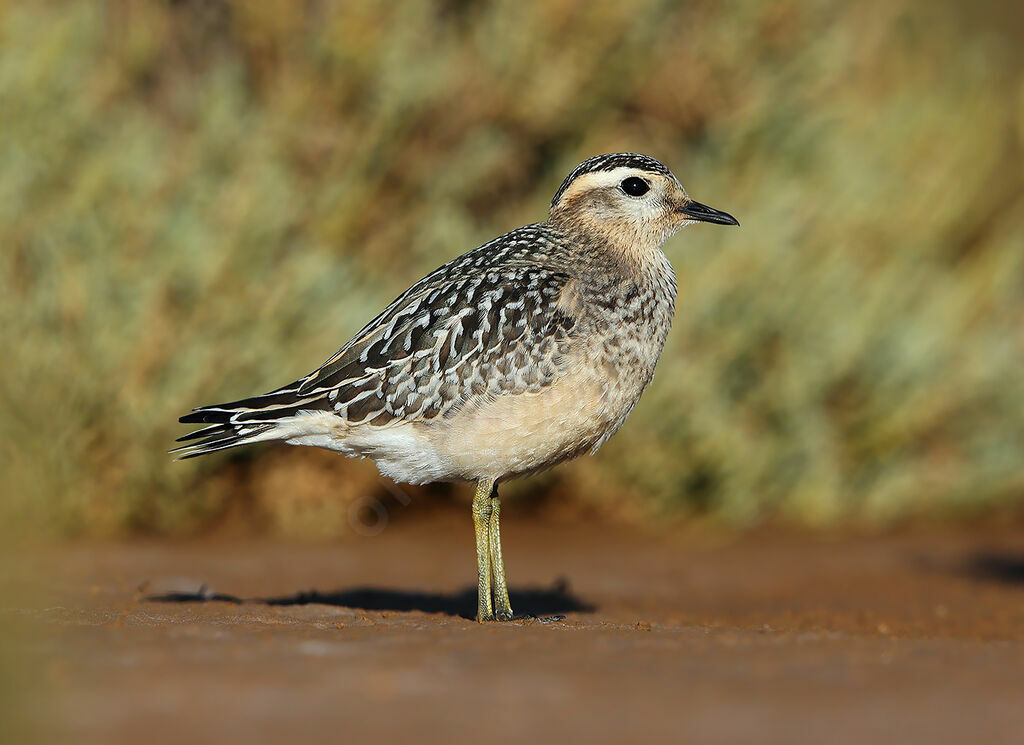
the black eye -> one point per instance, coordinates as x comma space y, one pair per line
635, 187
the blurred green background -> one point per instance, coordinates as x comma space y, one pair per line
202, 200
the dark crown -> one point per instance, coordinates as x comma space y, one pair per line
609, 162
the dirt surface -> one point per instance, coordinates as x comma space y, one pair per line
665, 638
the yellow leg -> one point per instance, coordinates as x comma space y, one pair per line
502, 608
481, 524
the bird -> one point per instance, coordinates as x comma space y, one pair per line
518, 355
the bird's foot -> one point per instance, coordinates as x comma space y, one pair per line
539, 619
506, 616
499, 616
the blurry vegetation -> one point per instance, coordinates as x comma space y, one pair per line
202, 200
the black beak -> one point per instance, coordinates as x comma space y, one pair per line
702, 212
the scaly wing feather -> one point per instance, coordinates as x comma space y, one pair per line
486, 323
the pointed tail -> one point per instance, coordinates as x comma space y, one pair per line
249, 420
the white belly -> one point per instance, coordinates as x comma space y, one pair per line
502, 436
498, 437
514, 435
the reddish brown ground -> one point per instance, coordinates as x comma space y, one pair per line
765, 639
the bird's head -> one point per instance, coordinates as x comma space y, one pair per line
630, 198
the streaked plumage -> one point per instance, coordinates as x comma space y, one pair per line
518, 355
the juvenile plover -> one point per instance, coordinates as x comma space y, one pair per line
516, 356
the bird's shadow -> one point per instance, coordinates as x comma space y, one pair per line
531, 601
995, 566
